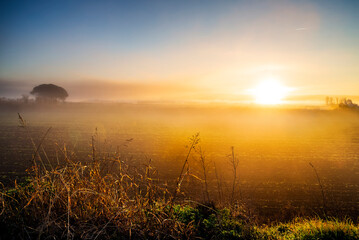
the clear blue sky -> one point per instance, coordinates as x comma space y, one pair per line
187, 45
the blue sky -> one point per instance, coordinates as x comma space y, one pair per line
205, 48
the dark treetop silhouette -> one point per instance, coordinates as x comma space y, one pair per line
49, 92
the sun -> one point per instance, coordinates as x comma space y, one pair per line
269, 92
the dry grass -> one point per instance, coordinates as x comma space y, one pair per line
86, 201
109, 199
105, 198
78, 200
82, 201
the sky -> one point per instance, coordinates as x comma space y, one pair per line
179, 50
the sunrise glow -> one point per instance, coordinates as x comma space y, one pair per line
179, 119
269, 92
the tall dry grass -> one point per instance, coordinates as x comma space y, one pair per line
107, 198
82, 201
104, 198
86, 201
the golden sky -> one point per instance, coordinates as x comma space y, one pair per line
161, 50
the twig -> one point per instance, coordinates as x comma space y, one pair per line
321, 187
194, 142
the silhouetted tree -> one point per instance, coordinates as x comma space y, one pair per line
49, 93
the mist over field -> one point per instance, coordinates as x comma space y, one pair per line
274, 148
179, 119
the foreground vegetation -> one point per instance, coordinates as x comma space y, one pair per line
110, 199
80, 201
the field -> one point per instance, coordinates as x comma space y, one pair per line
273, 148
